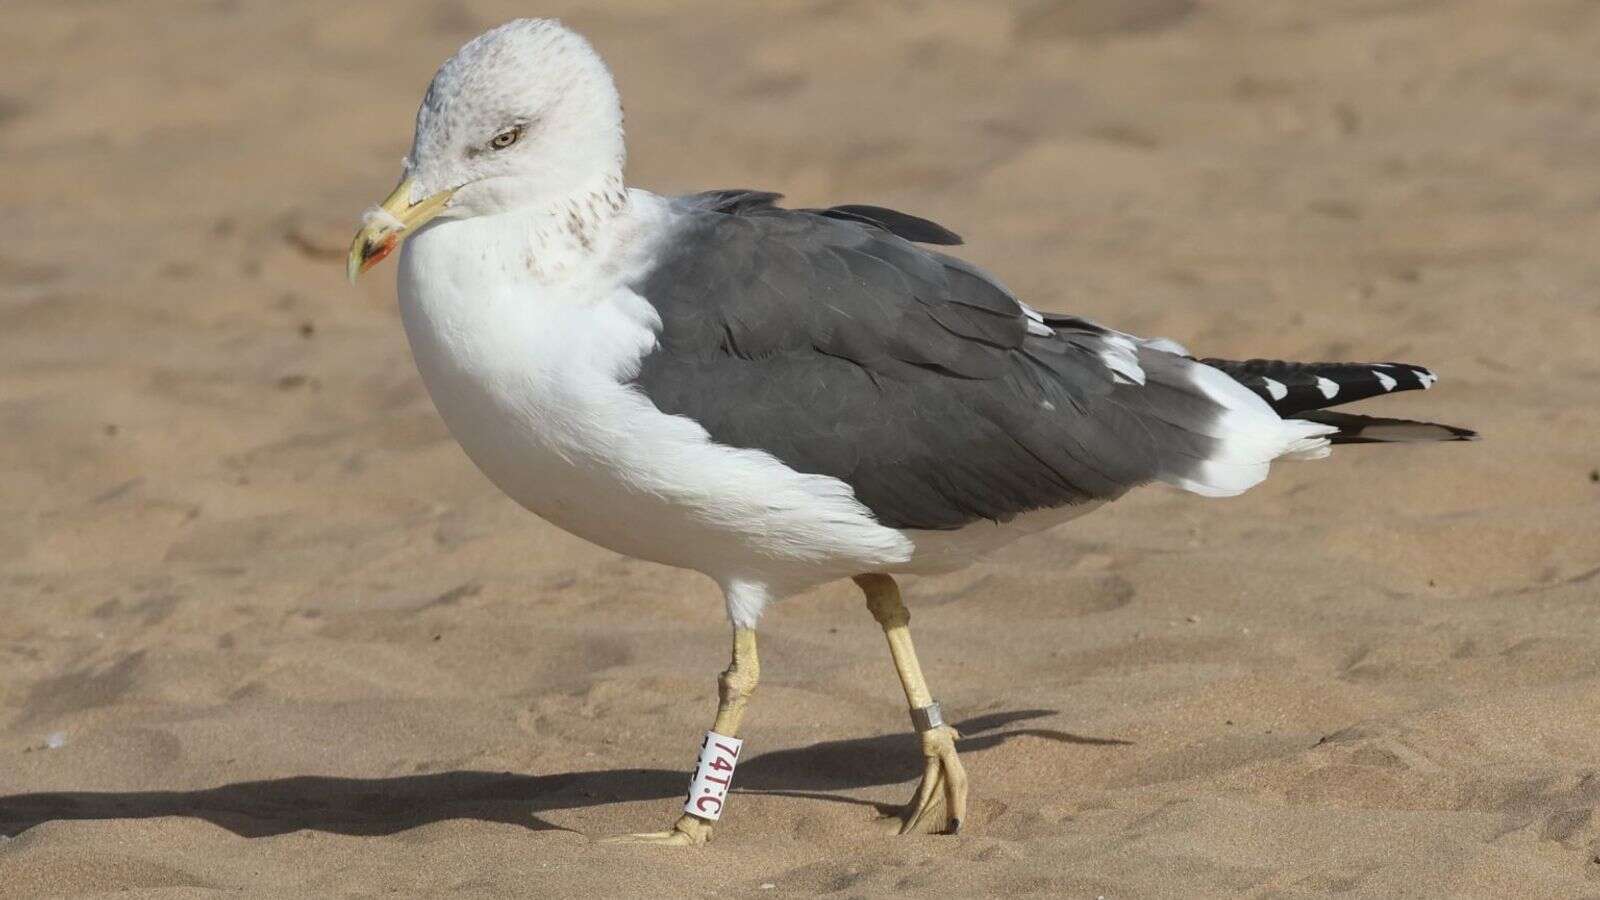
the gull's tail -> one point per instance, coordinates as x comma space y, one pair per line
1305, 391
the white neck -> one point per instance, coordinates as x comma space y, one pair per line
536, 230
569, 227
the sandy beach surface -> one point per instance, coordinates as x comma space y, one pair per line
264, 630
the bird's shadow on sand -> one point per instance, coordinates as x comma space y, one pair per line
378, 806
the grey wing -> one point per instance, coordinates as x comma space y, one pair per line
842, 349
743, 201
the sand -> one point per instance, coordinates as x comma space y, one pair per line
263, 628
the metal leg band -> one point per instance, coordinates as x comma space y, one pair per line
927, 718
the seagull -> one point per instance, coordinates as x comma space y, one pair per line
780, 398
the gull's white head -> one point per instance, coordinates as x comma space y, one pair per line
525, 114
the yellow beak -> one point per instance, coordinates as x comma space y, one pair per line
387, 225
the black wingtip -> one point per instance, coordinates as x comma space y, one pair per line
1455, 433
1358, 429
1292, 388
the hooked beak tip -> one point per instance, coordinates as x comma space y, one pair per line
386, 225
368, 250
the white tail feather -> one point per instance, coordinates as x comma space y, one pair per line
1247, 434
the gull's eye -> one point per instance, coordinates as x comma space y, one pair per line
505, 138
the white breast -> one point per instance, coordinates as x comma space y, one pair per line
531, 376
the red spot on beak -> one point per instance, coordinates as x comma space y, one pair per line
372, 254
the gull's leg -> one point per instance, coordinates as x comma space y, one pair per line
940, 803
734, 688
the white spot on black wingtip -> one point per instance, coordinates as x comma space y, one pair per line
1385, 380
1275, 388
1328, 387
1424, 377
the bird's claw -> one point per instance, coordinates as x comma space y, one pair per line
688, 832
940, 804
